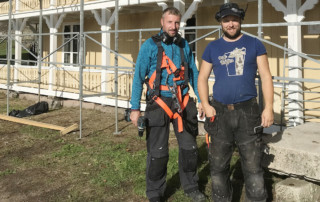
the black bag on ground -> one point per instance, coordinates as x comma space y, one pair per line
38, 108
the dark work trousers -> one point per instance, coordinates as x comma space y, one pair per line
233, 125
157, 147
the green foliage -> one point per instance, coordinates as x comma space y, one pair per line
173, 166
7, 172
16, 161
118, 166
72, 150
3, 49
37, 132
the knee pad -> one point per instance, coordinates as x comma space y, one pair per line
189, 160
255, 188
251, 155
157, 168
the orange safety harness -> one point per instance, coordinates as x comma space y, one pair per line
154, 87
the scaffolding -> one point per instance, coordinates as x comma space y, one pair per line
82, 36
81, 62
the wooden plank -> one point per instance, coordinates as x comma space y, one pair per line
63, 130
69, 129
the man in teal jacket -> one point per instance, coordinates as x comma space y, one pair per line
165, 63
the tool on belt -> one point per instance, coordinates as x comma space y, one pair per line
208, 137
142, 123
154, 87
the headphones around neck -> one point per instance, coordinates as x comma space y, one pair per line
233, 7
167, 39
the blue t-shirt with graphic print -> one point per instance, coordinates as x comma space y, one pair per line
235, 67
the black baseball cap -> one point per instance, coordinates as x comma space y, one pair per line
229, 9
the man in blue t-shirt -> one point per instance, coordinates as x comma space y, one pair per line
233, 117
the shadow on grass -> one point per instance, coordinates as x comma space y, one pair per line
237, 180
173, 184
239, 186
203, 168
128, 124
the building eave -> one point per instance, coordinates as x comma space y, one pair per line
76, 8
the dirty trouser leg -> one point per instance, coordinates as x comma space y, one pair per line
249, 145
158, 154
220, 152
253, 173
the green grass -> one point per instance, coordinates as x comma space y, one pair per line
6, 172
116, 165
38, 133
97, 167
69, 150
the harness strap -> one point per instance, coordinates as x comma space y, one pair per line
164, 106
186, 68
158, 68
163, 61
168, 64
172, 115
171, 68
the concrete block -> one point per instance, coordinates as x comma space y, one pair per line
70, 103
295, 152
294, 190
13, 94
54, 103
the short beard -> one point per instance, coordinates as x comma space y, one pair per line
234, 36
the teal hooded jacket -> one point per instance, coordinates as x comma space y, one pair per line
147, 62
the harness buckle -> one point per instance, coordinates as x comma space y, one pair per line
177, 72
230, 107
178, 107
173, 91
179, 75
151, 95
154, 97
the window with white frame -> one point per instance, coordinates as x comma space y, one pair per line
70, 50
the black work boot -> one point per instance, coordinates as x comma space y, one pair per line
196, 196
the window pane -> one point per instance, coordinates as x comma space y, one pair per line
75, 45
67, 58
192, 47
189, 38
67, 46
75, 58
76, 28
67, 29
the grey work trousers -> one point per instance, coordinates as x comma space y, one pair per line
158, 150
233, 125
